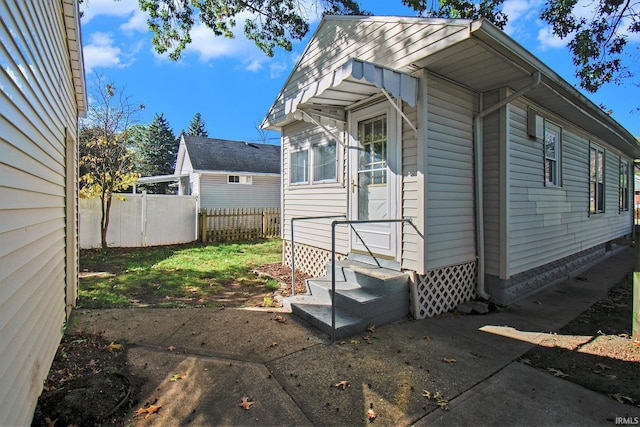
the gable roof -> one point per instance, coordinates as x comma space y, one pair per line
212, 154
474, 54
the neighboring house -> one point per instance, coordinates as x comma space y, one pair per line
229, 174
512, 178
43, 93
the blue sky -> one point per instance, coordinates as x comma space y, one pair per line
232, 84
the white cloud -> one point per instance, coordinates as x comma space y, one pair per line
548, 40
120, 8
276, 69
101, 52
520, 13
254, 65
137, 22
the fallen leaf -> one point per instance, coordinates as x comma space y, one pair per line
171, 348
343, 384
371, 415
371, 327
622, 399
438, 396
280, 319
245, 403
427, 394
426, 337
444, 404
557, 372
343, 342
602, 366
149, 410
50, 423
367, 339
273, 344
354, 341
612, 377
176, 377
525, 361
448, 360
114, 346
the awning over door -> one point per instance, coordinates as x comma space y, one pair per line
352, 82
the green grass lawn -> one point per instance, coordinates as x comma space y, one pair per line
175, 276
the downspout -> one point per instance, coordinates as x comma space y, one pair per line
478, 143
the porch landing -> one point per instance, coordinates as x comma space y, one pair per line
365, 295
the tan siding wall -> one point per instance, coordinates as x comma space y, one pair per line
392, 44
216, 192
312, 200
548, 223
450, 206
410, 191
38, 103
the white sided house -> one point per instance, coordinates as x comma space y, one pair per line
229, 174
42, 87
511, 178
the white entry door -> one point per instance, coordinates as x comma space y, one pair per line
374, 169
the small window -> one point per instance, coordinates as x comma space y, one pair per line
552, 135
240, 179
324, 162
299, 167
596, 178
624, 186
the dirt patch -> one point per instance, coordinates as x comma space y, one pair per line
282, 274
88, 385
595, 350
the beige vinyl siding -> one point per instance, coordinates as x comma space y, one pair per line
493, 203
315, 199
411, 198
38, 251
395, 44
450, 192
216, 192
549, 223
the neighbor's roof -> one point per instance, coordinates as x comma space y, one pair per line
211, 154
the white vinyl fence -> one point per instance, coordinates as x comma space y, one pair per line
140, 220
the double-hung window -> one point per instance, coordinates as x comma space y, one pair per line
316, 164
623, 203
552, 148
596, 179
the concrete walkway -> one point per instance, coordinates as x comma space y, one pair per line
290, 371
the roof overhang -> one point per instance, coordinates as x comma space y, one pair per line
76, 61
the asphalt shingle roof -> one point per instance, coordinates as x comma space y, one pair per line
232, 156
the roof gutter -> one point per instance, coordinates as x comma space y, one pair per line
478, 142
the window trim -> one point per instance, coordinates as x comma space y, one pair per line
598, 149
557, 129
310, 148
624, 204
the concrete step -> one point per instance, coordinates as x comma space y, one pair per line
319, 315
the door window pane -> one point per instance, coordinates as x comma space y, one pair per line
372, 169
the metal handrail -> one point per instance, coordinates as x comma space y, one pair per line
293, 252
334, 224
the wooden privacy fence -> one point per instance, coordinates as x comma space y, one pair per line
235, 224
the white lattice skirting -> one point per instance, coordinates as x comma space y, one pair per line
309, 259
442, 289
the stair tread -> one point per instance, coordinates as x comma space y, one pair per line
362, 294
371, 270
340, 284
322, 313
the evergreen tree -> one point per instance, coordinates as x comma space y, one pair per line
196, 126
156, 151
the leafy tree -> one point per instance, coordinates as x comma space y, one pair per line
275, 23
106, 162
598, 43
156, 148
196, 126
466, 9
